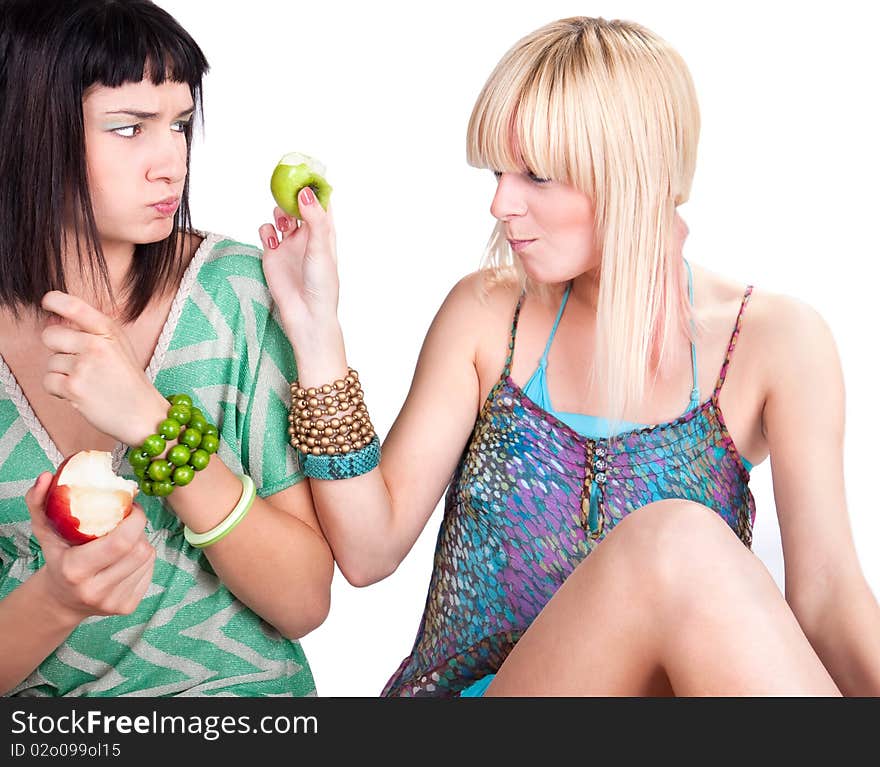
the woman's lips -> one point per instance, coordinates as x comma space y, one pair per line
519, 245
167, 207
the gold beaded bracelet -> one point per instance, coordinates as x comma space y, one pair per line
331, 419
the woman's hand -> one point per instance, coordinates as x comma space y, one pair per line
94, 367
107, 576
300, 268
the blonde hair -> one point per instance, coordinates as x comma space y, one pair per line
609, 108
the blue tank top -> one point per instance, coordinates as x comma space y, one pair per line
591, 426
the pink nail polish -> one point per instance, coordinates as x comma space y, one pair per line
308, 196
273, 243
283, 224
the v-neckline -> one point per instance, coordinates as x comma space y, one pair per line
23, 405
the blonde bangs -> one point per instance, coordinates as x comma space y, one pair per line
609, 108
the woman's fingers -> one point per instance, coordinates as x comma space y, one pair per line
268, 237
50, 542
61, 363
35, 497
318, 224
284, 223
100, 577
93, 557
64, 339
82, 314
124, 573
311, 211
136, 587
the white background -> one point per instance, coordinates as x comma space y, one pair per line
786, 196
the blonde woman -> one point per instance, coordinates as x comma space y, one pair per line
587, 555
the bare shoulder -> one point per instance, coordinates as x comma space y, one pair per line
478, 306
780, 333
474, 320
478, 293
790, 332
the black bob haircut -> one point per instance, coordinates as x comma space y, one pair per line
51, 53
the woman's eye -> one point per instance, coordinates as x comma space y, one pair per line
536, 179
180, 126
128, 131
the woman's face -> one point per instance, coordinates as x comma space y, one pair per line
136, 158
549, 225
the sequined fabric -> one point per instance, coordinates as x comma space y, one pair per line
530, 499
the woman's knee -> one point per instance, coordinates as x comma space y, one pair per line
678, 544
675, 523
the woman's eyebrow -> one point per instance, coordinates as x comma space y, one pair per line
147, 115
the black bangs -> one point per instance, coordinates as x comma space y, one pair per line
51, 53
126, 39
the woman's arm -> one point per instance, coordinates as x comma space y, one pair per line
804, 425
276, 561
372, 521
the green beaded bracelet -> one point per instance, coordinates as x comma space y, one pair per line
159, 473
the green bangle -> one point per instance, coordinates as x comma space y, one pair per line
209, 537
157, 473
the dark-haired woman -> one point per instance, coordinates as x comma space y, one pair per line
124, 330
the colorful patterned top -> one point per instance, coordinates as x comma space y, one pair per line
190, 636
531, 498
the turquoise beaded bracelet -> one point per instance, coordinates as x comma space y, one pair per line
343, 465
159, 473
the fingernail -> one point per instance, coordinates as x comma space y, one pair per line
283, 223
307, 196
273, 243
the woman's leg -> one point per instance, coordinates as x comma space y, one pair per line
670, 602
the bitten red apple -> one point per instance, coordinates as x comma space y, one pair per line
86, 499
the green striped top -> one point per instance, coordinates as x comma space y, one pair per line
222, 345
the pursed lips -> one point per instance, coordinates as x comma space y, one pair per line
518, 244
168, 207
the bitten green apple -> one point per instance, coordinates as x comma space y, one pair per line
86, 499
294, 172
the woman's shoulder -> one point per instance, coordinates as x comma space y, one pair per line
217, 251
484, 295
221, 263
477, 304
781, 329
474, 320
793, 335
229, 274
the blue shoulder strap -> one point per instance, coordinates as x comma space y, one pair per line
543, 362
695, 392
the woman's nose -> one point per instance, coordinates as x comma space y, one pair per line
509, 199
169, 159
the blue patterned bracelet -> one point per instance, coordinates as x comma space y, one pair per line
343, 465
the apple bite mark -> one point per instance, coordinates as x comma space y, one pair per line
293, 173
86, 499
